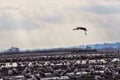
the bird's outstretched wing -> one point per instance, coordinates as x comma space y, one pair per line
81, 28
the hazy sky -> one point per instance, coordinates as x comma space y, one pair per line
49, 23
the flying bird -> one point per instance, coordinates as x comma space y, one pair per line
81, 28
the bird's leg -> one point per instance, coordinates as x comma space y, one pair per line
85, 33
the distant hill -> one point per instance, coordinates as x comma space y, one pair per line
82, 48
103, 46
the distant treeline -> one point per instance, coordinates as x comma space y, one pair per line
62, 50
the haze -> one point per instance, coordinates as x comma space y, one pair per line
29, 24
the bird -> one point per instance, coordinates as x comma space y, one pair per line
81, 28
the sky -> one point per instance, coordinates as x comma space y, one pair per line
31, 24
